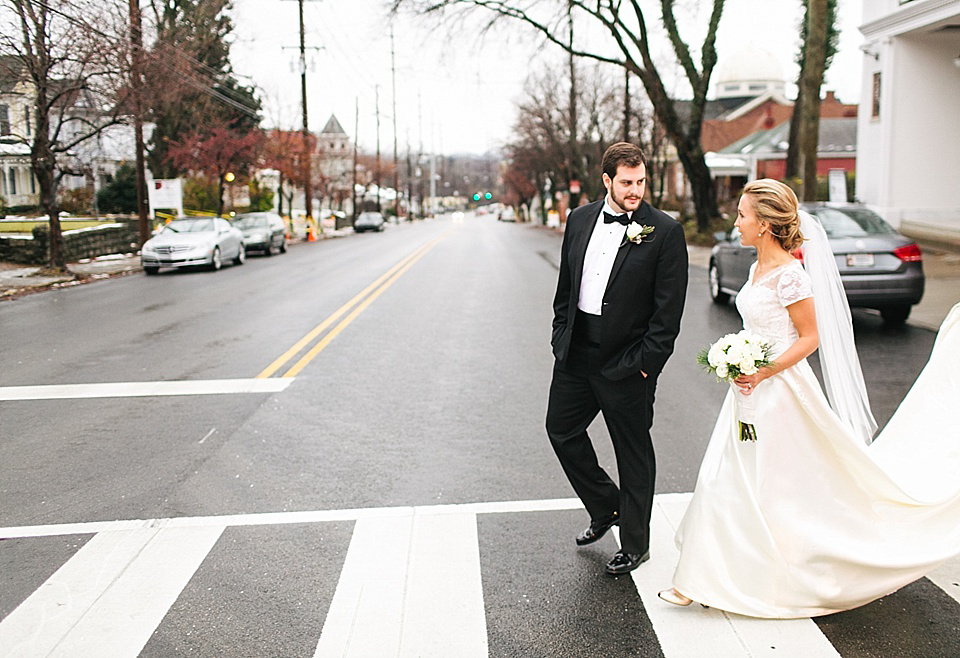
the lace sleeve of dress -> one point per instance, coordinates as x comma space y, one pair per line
793, 285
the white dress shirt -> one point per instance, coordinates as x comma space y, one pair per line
605, 241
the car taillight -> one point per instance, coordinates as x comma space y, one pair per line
798, 254
908, 253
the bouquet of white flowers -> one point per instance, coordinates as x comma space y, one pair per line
733, 355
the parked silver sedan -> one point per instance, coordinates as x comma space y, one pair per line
879, 268
193, 241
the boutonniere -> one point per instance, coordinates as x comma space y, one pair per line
637, 232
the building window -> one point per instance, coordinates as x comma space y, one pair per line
26, 116
12, 181
33, 183
875, 99
4, 120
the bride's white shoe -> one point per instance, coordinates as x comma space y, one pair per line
673, 596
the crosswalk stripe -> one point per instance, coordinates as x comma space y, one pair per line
947, 578
694, 631
416, 581
443, 613
365, 615
109, 597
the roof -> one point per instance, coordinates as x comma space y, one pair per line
333, 127
836, 136
11, 72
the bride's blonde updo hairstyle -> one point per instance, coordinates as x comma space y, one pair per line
777, 205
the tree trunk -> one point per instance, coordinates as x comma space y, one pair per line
794, 139
220, 195
810, 85
280, 196
704, 193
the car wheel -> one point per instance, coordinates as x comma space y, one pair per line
268, 251
241, 256
215, 261
895, 315
151, 270
283, 247
717, 295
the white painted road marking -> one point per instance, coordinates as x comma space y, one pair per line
108, 598
410, 586
142, 389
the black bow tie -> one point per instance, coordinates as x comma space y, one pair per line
619, 219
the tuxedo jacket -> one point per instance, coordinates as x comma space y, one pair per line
644, 297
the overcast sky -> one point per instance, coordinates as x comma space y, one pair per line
455, 91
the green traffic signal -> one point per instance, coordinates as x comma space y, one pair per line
487, 196
476, 197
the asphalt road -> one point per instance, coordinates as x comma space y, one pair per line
419, 385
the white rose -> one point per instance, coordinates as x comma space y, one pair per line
736, 354
755, 352
715, 356
748, 367
722, 371
633, 230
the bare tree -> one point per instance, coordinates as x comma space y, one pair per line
540, 148
626, 24
76, 75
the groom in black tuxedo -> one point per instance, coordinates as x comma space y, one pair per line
620, 294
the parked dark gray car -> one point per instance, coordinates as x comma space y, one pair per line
262, 231
880, 268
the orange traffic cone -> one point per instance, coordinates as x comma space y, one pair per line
311, 236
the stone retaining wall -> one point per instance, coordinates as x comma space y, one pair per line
118, 238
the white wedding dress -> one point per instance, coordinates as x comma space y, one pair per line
809, 520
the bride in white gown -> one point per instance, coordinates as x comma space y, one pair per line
811, 518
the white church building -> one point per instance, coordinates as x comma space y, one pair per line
908, 157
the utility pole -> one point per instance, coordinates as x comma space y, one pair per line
306, 165
420, 155
396, 164
376, 91
433, 168
574, 173
307, 155
136, 73
356, 139
626, 105
409, 181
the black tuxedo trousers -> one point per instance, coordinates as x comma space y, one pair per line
578, 392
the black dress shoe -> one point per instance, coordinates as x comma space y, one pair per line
622, 563
597, 529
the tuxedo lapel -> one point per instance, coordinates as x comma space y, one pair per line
578, 250
618, 261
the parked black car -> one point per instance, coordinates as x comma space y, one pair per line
369, 221
880, 268
262, 231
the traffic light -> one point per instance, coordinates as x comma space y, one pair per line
476, 197
487, 196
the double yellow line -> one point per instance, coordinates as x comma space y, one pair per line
361, 301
